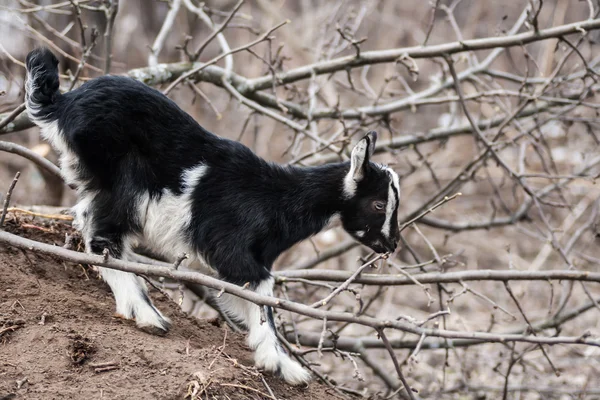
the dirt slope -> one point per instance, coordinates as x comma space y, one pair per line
57, 325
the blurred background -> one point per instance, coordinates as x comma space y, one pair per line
528, 200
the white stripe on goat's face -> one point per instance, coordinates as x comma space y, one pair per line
392, 202
372, 194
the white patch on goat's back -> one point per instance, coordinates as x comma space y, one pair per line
191, 177
166, 219
392, 202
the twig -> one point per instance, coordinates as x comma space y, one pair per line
110, 12
268, 387
429, 210
32, 156
220, 37
164, 31
75, 5
13, 114
199, 68
41, 215
217, 31
10, 328
220, 350
7, 199
431, 22
518, 304
390, 350
265, 395
103, 364
348, 281
274, 115
326, 255
107, 368
204, 97
322, 338
86, 54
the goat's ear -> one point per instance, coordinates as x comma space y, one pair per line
361, 155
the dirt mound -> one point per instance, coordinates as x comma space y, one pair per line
59, 340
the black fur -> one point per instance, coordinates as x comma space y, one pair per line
130, 138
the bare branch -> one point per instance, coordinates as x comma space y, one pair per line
162, 34
214, 283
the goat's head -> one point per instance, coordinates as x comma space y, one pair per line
372, 193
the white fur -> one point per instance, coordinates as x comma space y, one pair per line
30, 87
50, 131
261, 338
129, 290
165, 220
334, 221
81, 213
357, 159
163, 224
391, 202
68, 160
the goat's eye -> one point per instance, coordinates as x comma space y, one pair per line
378, 205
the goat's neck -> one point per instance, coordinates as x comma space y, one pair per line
312, 197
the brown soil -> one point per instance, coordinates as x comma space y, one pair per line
57, 329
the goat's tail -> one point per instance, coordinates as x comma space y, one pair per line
41, 87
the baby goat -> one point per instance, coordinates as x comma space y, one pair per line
147, 174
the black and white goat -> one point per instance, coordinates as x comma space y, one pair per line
147, 174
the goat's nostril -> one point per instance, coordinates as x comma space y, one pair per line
391, 245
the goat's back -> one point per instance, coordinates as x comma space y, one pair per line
116, 126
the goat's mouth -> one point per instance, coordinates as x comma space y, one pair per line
381, 246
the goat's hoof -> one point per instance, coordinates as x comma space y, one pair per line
292, 372
120, 316
154, 330
158, 325
296, 376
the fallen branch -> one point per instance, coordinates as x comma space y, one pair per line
196, 277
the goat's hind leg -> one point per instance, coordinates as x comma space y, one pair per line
129, 290
262, 336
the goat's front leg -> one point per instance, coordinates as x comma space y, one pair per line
129, 290
262, 336
132, 301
